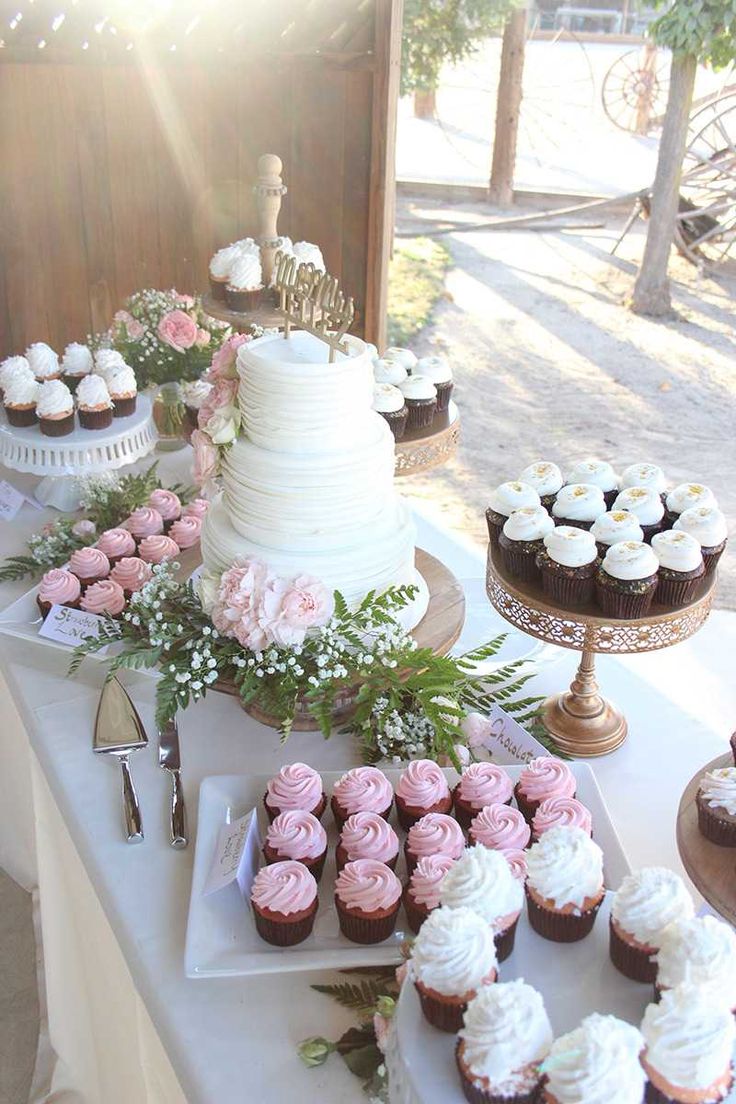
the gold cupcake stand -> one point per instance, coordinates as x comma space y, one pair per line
580, 720
422, 449
711, 868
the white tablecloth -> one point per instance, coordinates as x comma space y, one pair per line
127, 1026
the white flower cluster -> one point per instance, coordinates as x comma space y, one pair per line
95, 489
401, 736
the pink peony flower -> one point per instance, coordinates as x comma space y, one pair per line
290, 609
223, 362
222, 394
135, 330
477, 729
238, 603
206, 458
203, 338
178, 330
185, 300
381, 1026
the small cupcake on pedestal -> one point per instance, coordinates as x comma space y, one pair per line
708, 525
219, 270
94, 404
244, 288
405, 357
716, 805
20, 395
568, 565
564, 886
615, 526
578, 504
645, 475
391, 372
503, 501
645, 904
627, 580
389, 403
438, 371
420, 396
681, 567
687, 496
597, 473
522, 538
76, 363
482, 880
700, 950
598, 1061
123, 391
12, 368
55, 409
422, 893
44, 362
452, 959
546, 479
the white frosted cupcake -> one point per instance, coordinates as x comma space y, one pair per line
389, 371
708, 525
681, 567
522, 537
506, 498
645, 475
597, 1063
405, 357
43, 361
568, 564
437, 369
700, 950
55, 408
546, 479
107, 362
578, 504
646, 503
452, 958
420, 396
505, 1036
219, 269
94, 404
309, 253
597, 473
14, 368
564, 886
123, 389
482, 880
76, 363
244, 288
686, 496
615, 526
716, 804
20, 396
646, 902
688, 1055
389, 403
627, 580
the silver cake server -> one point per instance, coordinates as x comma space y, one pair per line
169, 759
119, 731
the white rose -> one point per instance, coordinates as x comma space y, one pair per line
207, 588
222, 428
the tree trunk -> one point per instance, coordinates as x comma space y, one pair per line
425, 103
508, 109
652, 288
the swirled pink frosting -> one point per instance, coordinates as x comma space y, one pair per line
198, 507
116, 542
367, 835
296, 786
436, 834
422, 784
559, 812
131, 573
500, 827
546, 777
284, 887
89, 563
427, 878
103, 597
367, 885
517, 861
166, 502
59, 586
186, 531
157, 549
296, 834
145, 522
364, 789
485, 784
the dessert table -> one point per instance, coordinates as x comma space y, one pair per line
125, 1023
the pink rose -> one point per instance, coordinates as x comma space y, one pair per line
84, 528
185, 300
237, 606
135, 330
178, 330
291, 609
123, 317
477, 730
222, 394
203, 338
223, 362
206, 458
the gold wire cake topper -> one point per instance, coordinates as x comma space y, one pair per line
313, 301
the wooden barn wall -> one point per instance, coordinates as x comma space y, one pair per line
116, 177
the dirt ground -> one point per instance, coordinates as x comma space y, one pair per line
549, 364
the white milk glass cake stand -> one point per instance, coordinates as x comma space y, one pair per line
60, 461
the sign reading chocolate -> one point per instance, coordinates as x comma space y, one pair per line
313, 301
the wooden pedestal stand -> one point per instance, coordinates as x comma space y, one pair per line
712, 869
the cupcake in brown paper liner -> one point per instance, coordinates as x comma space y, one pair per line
627, 580
596, 473
452, 958
434, 834
367, 835
568, 565
646, 903
578, 505
564, 887
646, 504
708, 525
599, 1060
480, 784
679, 1073
367, 899
296, 786
284, 901
422, 788
299, 836
361, 789
503, 501
700, 950
422, 892
481, 879
542, 777
716, 805
522, 538
546, 479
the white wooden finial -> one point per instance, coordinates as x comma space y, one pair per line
269, 189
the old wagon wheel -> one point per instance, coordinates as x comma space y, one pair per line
705, 229
635, 88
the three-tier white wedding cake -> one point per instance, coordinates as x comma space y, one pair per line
308, 484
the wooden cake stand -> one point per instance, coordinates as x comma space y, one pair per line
711, 868
580, 721
422, 449
266, 315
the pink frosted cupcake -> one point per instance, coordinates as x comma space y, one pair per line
561, 812
367, 836
421, 789
361, 790
434, 834
422, 892
500, 827
131, 573
186, 531
284, 901
89, 565
116, 543
542, 777
158, 549
297, 835
517, 863
481, 784
167, 504
58, 587
198, 507
296, 786
367, 899
145, 522
103, 597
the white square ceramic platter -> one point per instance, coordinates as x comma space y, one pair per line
221, 936
22, 619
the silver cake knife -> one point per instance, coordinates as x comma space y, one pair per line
118, 732
169, 759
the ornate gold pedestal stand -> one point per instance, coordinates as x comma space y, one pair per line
580, 721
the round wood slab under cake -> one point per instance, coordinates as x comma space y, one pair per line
266, 316
712, 869
422, 449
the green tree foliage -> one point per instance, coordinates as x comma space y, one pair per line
703, 28
439, 31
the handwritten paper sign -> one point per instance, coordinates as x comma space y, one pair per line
509, 742
236, 855
71, 626
11, 501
